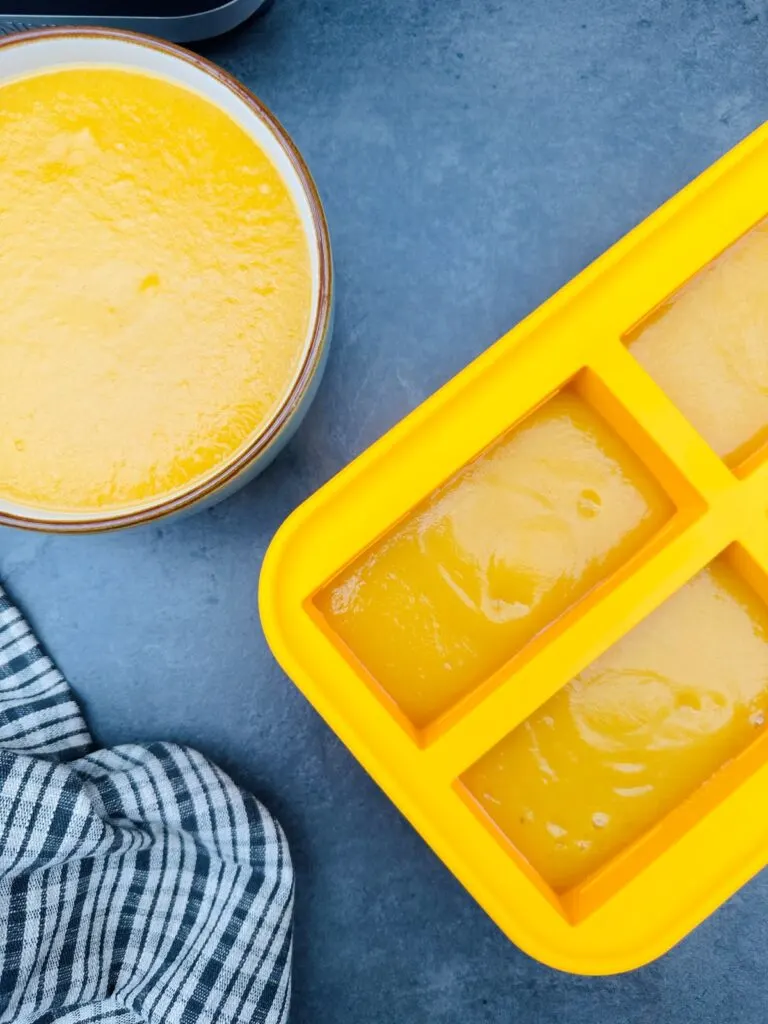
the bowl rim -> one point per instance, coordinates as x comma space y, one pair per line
37, 520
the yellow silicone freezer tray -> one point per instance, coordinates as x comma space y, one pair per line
648, 896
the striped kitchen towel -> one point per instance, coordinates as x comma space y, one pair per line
137, 884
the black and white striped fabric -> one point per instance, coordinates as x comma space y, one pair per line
137, 884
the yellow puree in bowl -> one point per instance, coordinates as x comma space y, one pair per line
155, 289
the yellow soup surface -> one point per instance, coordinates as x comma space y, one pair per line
486, 563
707, 347
155, 288
635, 733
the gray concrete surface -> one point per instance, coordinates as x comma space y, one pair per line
473, 155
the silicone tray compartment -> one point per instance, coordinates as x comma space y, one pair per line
582, 343
414, 618
706, 346
681, 774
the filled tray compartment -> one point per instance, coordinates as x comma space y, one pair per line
609, 768
514, 541
707, 348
